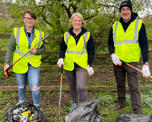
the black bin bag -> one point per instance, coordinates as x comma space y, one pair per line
24, 112
134, 118
85, 112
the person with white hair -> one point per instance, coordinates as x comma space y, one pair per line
76, 55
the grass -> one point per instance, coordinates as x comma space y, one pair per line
49, 104
49, 100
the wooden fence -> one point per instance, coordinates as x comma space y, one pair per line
102, 60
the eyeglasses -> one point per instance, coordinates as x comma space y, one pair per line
31, 19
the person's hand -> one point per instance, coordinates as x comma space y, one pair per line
116, 59
90, 71
6, 67
60, 62
146, 71
33, 50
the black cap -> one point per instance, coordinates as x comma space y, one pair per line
126, 3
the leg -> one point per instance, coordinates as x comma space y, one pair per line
81, 77
133, 87
120, 75
22, 81
71, 76
34, 76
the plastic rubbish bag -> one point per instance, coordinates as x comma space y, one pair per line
134, 118
24, 112
85, 112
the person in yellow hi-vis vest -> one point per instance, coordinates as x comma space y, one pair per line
127, 41
22, 40
76, 54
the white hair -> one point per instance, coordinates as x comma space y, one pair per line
79, 15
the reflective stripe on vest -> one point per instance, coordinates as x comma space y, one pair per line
127, 41
77, 52
22, 47
17, 41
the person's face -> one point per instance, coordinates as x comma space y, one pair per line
29, 21
76, 22
126, 13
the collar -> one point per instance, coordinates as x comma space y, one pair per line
33, 29
83, 30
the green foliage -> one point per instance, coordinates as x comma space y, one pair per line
147, 98
5, 25
106, 100
49, 104
50, 59
53, 16
148, 24
100, 25
3, 44
127, 99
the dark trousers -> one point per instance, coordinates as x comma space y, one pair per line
120, 74
77, 80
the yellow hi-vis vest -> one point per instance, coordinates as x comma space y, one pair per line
126, 43
76, 53
22, 47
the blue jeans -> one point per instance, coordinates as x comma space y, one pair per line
33, 75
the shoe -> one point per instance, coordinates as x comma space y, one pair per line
38, 107
119, 106
20, 102
72, 107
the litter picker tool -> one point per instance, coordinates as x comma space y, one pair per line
6, 71
61, 78
135, 68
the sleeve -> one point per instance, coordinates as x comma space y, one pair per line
90, 50
143, 42
10, 50
110, 42
63, 48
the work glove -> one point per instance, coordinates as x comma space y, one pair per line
60, 62
116, 59
146, 71
90, 71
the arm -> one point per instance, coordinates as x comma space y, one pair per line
90, 50
63, 48
143, 42
10, 50
115, 59
110, 42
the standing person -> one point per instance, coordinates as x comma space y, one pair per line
76, 54
127, 41
22, 40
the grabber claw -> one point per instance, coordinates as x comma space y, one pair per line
6, 73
